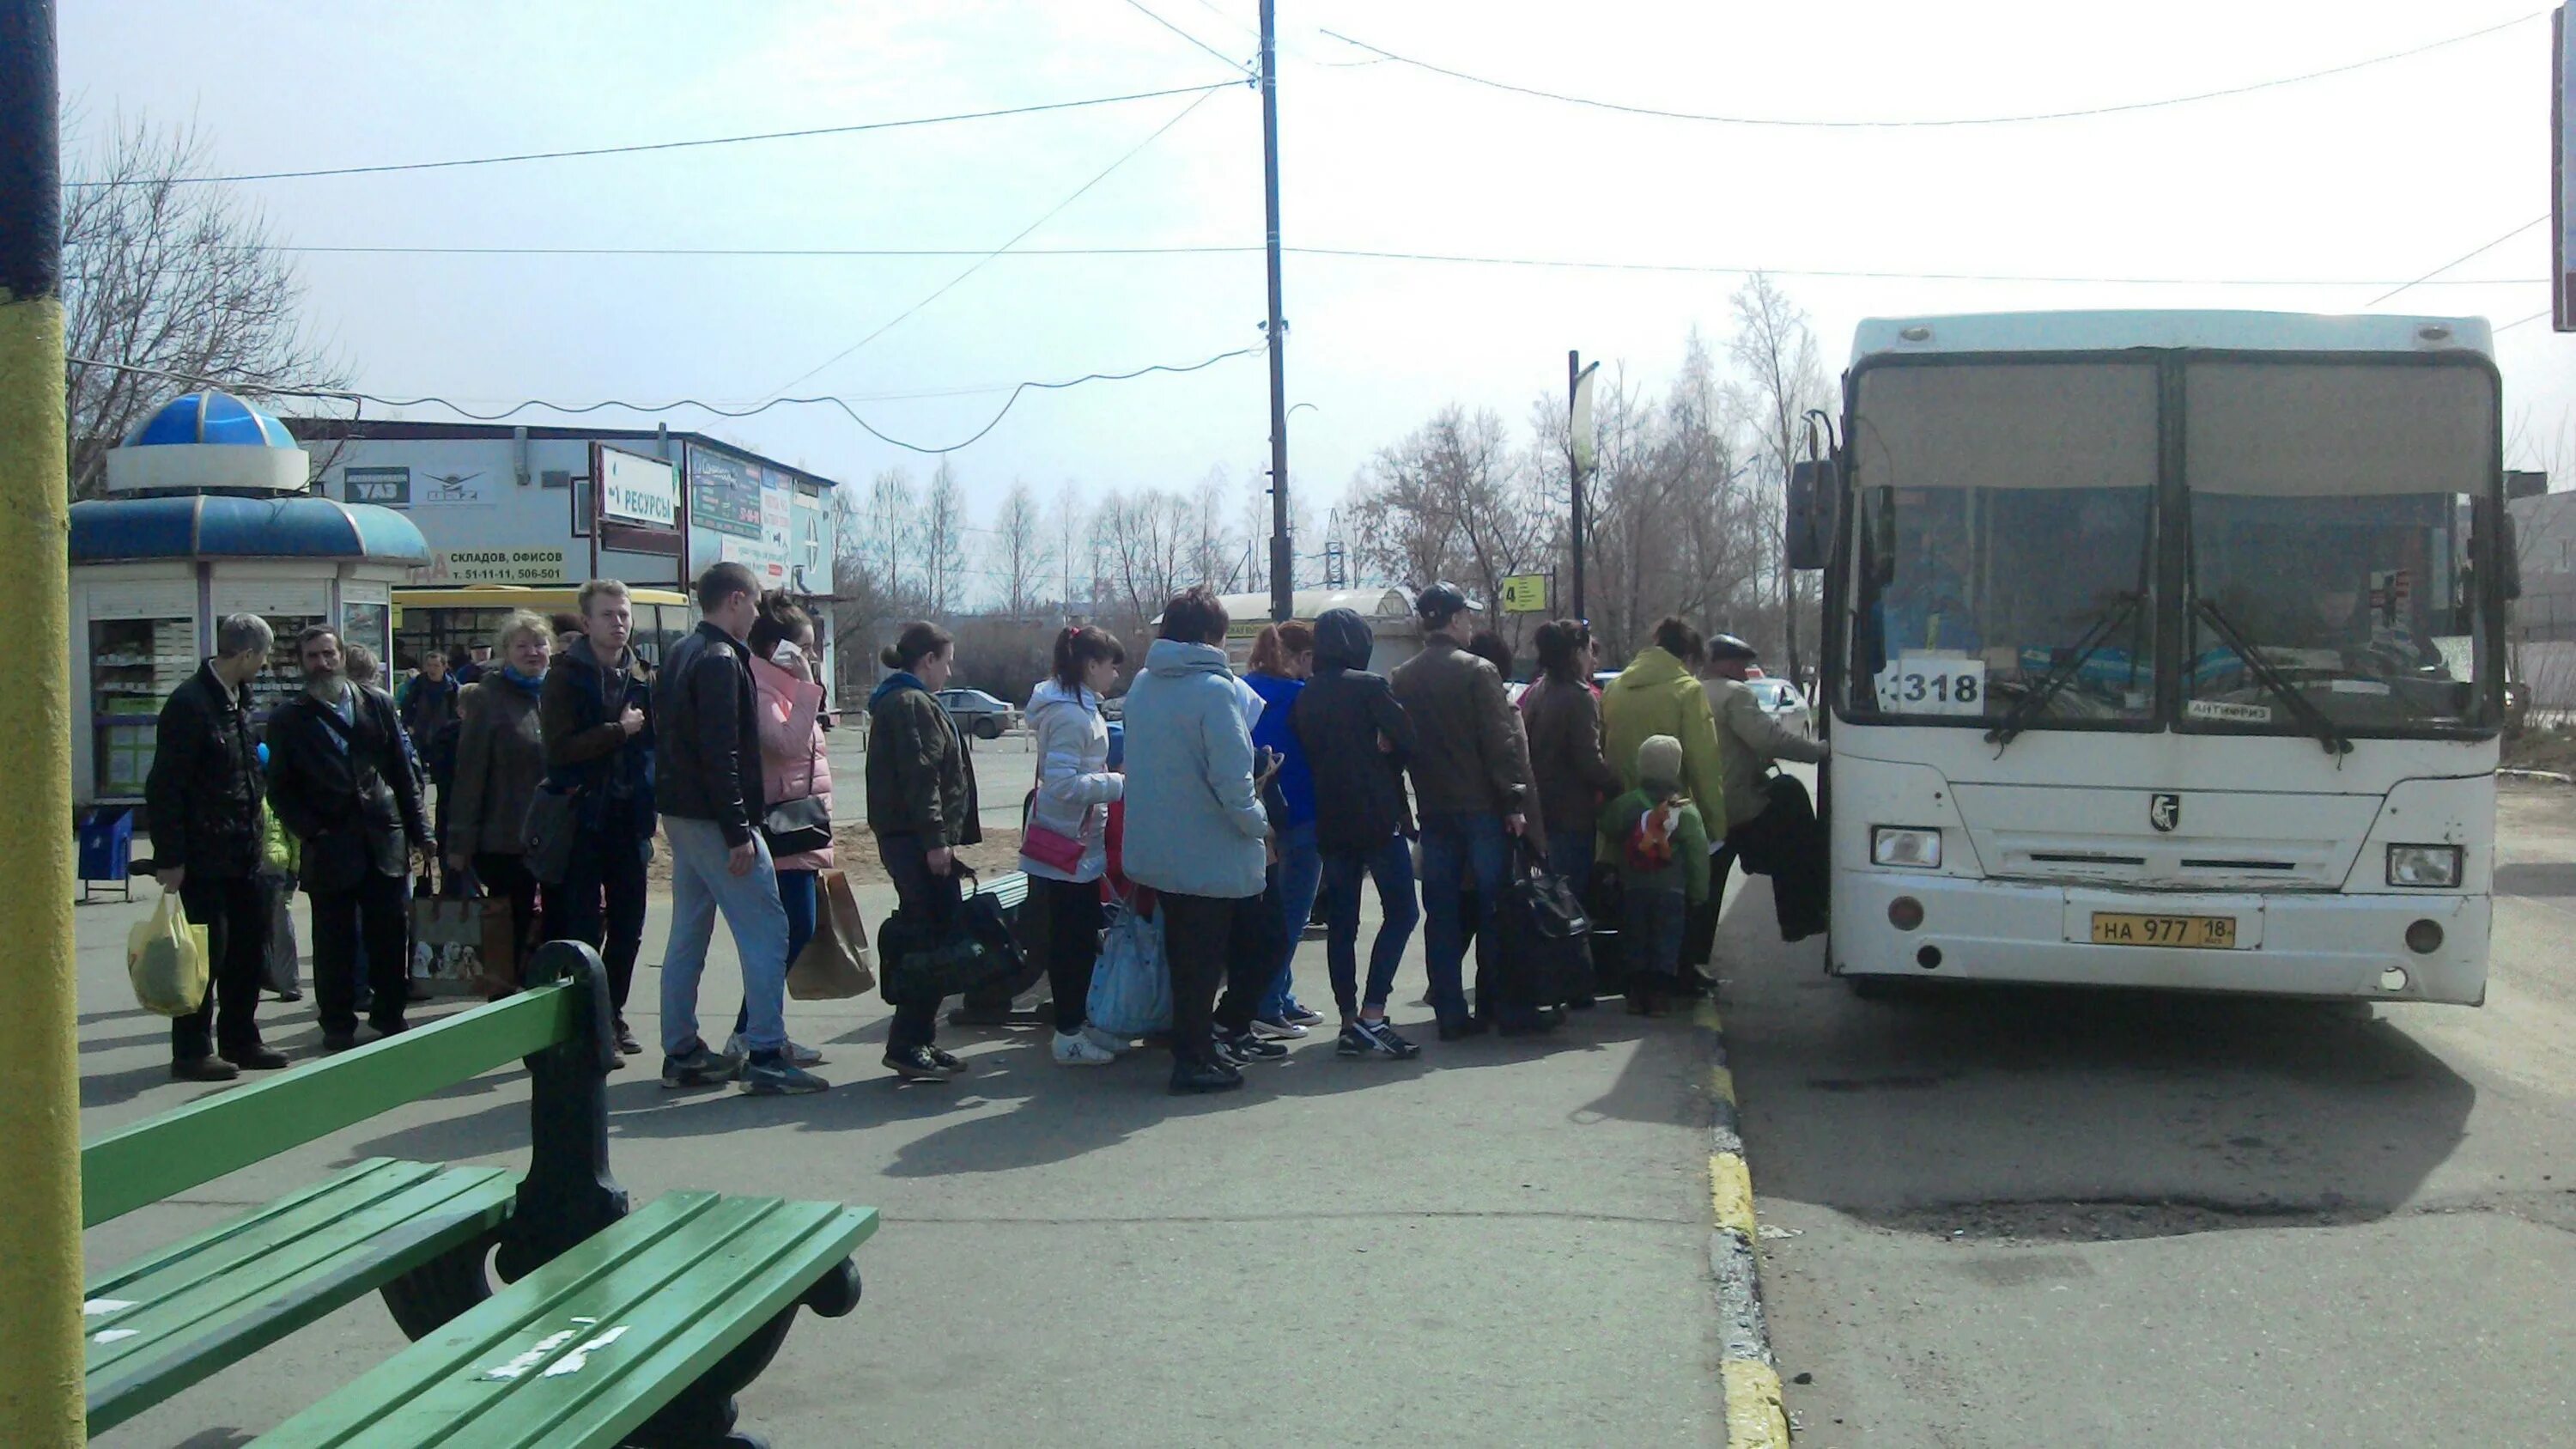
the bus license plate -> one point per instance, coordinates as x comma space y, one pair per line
2120, 928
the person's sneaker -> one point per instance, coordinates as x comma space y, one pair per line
203, 1069
255, 1058
916, 1064
1300, 1014
772, 1075
798, 1054
1353, 1042
698, 1067
1276, 1028
627, 1045
954, 1066
1073, 1049
1247, 1046
1382, 1038
1195, 1077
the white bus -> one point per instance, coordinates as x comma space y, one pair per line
2164, 649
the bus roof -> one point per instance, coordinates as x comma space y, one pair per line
2113, 331
514, 596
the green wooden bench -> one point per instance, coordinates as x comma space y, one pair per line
616, 1327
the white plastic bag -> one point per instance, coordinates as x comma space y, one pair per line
165, 958
1131, 987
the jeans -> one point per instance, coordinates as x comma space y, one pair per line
701, 887
1067, 918
1391, 866
796, 897
1650, 937
235, 914
1569, 854
1301, 870
605, 865
371, 910
1208, 939
507, 876
907, 864
1459, 852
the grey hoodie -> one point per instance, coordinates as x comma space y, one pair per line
1194, 825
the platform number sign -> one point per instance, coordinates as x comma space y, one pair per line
385, 487
1933, 684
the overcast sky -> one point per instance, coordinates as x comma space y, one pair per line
2336, 188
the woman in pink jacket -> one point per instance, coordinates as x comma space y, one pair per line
793, 766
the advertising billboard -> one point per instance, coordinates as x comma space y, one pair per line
724, 494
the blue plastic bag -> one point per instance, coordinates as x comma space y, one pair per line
1131, 987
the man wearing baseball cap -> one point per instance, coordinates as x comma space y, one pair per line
1470, 786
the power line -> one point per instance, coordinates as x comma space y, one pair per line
2526, 321
2474, 252
1783, 121
575, 410
1214, 249
981, 262
1139, 8
628, 150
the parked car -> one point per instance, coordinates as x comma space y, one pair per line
978, 713
1781, 700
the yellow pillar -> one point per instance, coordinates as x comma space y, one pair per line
40, 1247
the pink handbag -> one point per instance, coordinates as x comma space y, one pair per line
1051, 848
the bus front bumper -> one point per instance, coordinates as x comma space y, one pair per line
2326, 945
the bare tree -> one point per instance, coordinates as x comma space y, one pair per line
1065, 524
1452, 501
892, 523
943, 540
174, 277
1143, 541
1216, 555
1777, 351
1021, 550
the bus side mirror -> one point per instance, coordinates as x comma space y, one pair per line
1809, 527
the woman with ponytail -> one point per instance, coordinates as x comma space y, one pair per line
921, 807
1062, 850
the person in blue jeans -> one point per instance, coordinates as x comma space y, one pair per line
706, 779
1356, 739
1471, 781
1283, 656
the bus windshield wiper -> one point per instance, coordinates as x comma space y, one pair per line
2310, 718
2027, 708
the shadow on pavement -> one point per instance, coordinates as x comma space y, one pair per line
2545, 879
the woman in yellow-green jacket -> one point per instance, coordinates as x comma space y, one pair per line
1659, 694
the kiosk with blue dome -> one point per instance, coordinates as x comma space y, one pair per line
211, 514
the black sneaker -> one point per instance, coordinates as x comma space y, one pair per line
918, 1064
1246, 1048
770, 1074
627, 1045
697, 1067
1196, 1077
1354, 1042
1300, 1014
954, 1066
1382, 1038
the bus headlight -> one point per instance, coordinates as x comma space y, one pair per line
1905, 847
2436, 866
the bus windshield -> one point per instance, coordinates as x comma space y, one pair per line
2006, 543
2331, 509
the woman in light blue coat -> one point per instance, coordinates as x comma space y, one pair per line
1197, 833
1062, 849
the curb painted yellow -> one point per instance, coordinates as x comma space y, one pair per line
1754, 1416
40, 1240
1705, 1017
1721, 1085
1730, 1192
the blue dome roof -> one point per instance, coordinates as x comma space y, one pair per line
209, 417
215, 525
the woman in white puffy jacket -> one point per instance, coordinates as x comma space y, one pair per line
1063, 848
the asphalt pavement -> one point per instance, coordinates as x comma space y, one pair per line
2057, 1217
1502, 1243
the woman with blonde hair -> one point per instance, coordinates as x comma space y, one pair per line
500, 762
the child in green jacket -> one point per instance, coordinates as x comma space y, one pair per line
1663, 871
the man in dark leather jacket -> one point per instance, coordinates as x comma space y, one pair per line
340, 778
203, 796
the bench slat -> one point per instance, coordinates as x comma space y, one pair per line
671, 1288
143, 1163
227, 1293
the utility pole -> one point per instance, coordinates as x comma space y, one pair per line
1280, 545
1578, 459
40, 1202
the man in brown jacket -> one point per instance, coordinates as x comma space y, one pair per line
1470, 786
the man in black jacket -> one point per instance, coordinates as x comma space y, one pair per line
203, 796
338, 776
706, 781
1357, 740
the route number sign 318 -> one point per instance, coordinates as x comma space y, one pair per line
1933, 684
